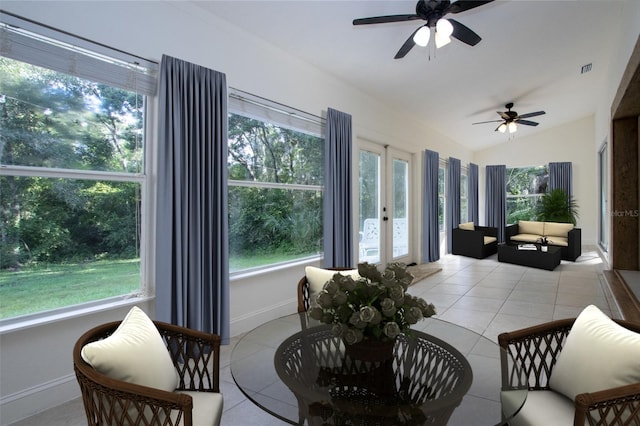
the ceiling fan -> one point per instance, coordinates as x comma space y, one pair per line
433, 12
510, 119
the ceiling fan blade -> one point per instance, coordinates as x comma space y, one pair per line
464, 33
497, 128
385, 19
490, 121
527, 122
462, 5
532, 114
504, 115
407, 46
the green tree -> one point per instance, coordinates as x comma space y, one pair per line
53, 120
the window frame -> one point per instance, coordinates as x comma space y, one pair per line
258, 108
535, 196
111, 64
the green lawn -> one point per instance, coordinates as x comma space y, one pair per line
45, 287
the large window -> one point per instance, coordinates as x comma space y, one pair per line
72, 174
525, 186
276, 172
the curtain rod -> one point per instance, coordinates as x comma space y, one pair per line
273, 105
68, 34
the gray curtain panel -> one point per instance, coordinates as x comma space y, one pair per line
338, 197
561, 176
192, 254
430, 226
473, 193
453, 198
496, 198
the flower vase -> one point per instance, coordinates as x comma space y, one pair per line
370, 350
372, 366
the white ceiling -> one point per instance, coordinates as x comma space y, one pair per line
531, 53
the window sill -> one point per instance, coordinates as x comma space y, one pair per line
31, 321
234, 276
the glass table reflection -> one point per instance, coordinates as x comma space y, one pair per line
312, 396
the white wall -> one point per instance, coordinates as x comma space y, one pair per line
570, 142
35, 363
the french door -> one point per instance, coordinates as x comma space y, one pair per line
384, 205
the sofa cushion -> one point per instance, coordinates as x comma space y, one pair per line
317, 277
467, 226
598, 354
531, 227
558, 241
555, 229
134, 353
489, 240
526, 238
544, 408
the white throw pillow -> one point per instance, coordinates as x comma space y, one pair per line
467, 226
598, 354
134, 353
317, 277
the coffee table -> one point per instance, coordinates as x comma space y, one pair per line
258, 355
549, 260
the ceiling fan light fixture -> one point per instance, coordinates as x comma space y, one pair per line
513, 127
442, 40
421, 37
444, 27
502, 128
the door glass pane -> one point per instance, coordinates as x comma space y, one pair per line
369, 220
400, 235
603, 199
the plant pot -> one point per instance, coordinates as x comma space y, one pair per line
544, 248
371, 350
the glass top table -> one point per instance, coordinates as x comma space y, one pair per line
258, 358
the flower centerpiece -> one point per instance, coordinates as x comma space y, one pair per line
374, 307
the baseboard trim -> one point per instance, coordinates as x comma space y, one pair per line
36, 399
251, 320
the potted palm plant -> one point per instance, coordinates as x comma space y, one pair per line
557, 206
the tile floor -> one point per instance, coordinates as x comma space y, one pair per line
485, 296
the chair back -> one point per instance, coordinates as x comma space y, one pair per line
304, 299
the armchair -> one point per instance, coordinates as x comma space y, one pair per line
186, 393
608, 369
474, 241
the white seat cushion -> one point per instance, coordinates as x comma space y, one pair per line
134, 353
489, 240
467, 226
207, 407
598, 354
317, 277
558, 241
526, 238
545, 408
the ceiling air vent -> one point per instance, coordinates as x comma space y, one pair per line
586, 68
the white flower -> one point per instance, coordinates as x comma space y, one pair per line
352, 336
391, 330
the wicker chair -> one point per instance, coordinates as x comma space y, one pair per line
304, 299
107, 401
535, 351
